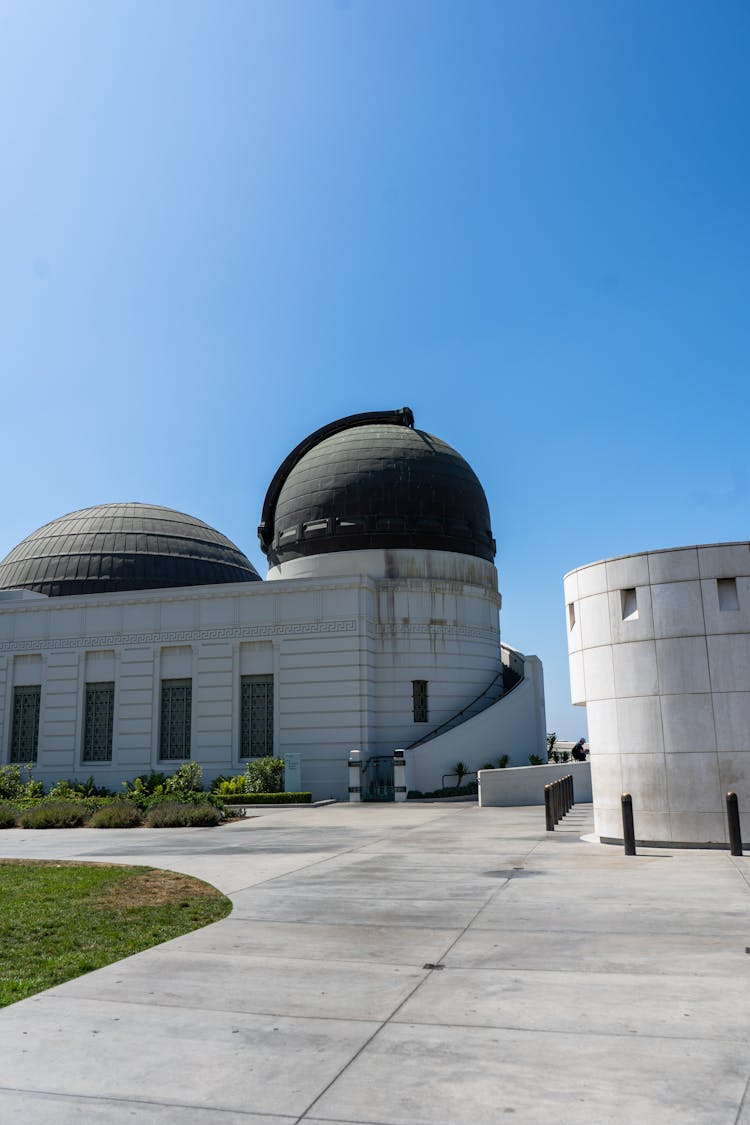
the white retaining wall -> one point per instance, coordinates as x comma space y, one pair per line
525, 786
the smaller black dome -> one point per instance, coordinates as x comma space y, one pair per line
373, 480
115, 547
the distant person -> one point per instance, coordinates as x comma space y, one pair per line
579, 750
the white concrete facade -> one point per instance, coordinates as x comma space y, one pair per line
659, 650
343, 636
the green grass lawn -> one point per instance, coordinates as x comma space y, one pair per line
58, 920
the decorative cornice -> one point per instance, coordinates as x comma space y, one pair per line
181, 636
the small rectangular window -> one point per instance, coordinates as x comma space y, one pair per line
726, 588
98, 722
25, 736
571, 614
176, 714
629, 605
256, 716
419, 699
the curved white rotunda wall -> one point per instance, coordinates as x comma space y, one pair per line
659, 650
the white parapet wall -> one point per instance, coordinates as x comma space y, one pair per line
659, 649
525, 785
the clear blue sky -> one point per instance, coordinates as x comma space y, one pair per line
225, 224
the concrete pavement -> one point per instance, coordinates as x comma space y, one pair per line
571, 983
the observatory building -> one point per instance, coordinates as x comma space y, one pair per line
133, 637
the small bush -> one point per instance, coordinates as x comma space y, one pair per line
264, 775
503, 760
144, 786
176, 814
535, 760
8, 816
118, 814
63, 791
56, 814
187, 779
12, 785
70, 790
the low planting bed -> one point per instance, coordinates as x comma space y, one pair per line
155, 799
114, 812
468, 790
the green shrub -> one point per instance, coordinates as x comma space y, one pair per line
535, 760
503, 760
142, 788
149, 789
176, 814
62, 791
78, 790
187, 779
264, 775
12, 785
8, 816
230, 786
119, 813
55, 814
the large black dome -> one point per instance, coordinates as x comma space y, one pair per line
114, 547
372, 480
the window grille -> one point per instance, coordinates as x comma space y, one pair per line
419, 698
256, 716
176, 709
97, 732
25, 736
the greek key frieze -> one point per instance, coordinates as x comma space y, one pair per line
182, 636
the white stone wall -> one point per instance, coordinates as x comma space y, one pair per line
659, 649
525, 786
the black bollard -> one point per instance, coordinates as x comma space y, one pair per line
628, 831
572, 792
548, 812
735, 831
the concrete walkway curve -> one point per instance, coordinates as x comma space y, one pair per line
403, 965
